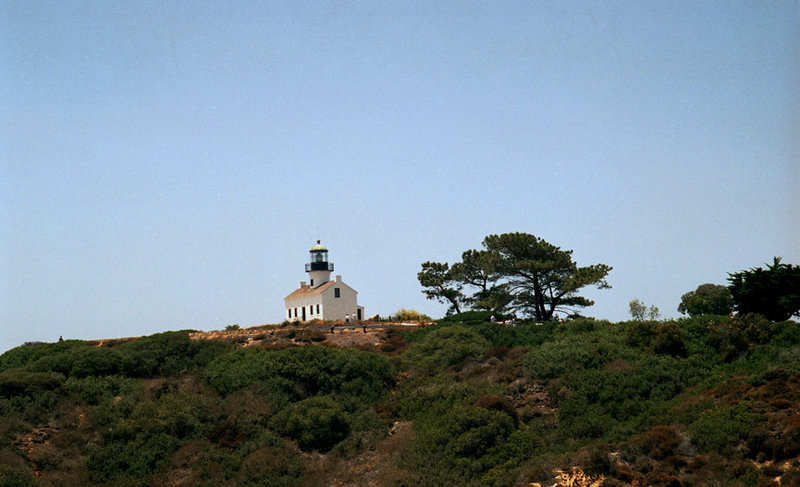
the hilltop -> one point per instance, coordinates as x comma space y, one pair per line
707, 400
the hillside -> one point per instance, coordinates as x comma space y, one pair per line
708, 400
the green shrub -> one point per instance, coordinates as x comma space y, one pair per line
786, 334
140, 435
302, 372
498, 334
568, 354
444, 347
29, 353
179, 415
436, 393
317, 423
169, 354
669, 340
14, 470
20, 382
526, 334
662, 338
14, 477
719, 429
619, 400
734, 337
94, 390
658, 443
100, 361
450, 444
116, 461
270, 467
411, 315
468, 318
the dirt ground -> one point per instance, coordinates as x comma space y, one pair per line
342, 336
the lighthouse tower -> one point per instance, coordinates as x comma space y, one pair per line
319, 269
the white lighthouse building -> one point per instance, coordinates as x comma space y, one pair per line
321, 298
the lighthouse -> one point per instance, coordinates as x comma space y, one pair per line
321, 298
319, 269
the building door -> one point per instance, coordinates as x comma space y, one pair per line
359, 314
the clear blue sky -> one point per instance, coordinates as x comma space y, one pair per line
167, 165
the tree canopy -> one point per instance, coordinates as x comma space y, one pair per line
439, 283
514, 272
707, 299
773, 292
640, 312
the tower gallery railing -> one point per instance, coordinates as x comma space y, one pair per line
319, 266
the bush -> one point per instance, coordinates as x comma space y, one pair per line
436, 393
14, 471
169, 354
14, 477
616, 401
96, 362
270, 467
29, 353
411, 315
468, 318
498, 334
317, 423
94, 390
444, 347
134, 460
450, 444
565, 354
736, 336
302, 372
179, 415
662, 338
658, 443
719, 429
20, 382
496, 403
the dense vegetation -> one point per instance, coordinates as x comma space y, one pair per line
773, 292
704, 400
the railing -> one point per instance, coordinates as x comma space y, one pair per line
319, 266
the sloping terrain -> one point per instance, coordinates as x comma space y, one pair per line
702, 401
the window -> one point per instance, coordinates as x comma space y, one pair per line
337, 292
317, 309
312, 282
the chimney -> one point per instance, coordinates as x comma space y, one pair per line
302, 284
338, 278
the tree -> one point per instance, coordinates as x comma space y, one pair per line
773, 292
542, 278
707, 299
439, 283
515, 271
478, 268
640, 312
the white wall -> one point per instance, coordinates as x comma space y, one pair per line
304, 301
336, 308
